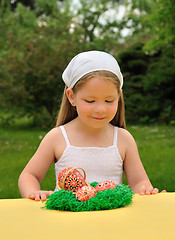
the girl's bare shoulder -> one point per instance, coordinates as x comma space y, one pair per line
125, 140
54, 135
55, 131
124, 134
56, 139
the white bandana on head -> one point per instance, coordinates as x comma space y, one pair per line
87, 62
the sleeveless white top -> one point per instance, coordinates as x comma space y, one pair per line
99, 163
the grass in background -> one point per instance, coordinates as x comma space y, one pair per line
17, 145
156, 146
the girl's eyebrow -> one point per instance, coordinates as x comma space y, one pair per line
111, 96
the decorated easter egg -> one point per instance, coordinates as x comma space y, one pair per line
103, 185
71, 179
85, 193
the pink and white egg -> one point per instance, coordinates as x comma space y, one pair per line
104, 185
85, 193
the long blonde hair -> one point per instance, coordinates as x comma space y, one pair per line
67, 112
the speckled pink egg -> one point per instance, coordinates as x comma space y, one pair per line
103, 185
85, 193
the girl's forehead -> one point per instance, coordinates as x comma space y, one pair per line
98, 85
98, 81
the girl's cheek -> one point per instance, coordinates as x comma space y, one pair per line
84, 107
113, 107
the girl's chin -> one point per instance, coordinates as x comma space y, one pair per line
93, 122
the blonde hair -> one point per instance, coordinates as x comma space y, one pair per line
67, 112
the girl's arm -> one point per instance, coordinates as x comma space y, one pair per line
134, 170
32, 175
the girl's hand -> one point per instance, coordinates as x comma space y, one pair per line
147, 191
40, 195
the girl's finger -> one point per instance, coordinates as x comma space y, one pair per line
43, 196
142, 190
37, 196
32, 196
50, 192
155, 191
149, 191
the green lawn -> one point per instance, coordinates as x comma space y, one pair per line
16, 148
156, 147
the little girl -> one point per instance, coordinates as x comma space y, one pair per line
90, 131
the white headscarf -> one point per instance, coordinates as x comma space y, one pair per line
87, 62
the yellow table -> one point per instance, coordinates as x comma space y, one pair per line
149, 217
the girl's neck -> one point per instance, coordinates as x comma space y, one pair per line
81, 135
88, 130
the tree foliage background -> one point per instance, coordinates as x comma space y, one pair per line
38, 38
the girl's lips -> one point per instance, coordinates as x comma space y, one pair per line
98, 118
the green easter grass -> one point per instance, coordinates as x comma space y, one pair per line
109, 199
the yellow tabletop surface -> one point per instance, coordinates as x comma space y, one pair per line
149, 217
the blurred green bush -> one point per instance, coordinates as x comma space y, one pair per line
36, 45
149, 85
33, 53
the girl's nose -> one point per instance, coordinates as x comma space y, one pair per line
100, 108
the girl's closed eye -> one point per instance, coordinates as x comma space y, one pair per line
109, 101
89, 101
92, 101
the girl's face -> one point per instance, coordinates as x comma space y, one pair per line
96, 102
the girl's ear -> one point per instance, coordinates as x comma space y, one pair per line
70, 96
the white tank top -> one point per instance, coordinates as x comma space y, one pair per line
99, 163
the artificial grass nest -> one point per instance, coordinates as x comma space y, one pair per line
105, 200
